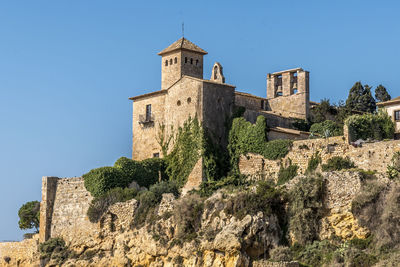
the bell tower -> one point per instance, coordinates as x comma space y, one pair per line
181, 58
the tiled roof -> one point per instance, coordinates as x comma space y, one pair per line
392, 101
183, 44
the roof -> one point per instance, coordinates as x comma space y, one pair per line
390, 102
287, 130
184, 44
159, 92
249, 95
289, 70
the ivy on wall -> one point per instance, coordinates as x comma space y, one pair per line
245, 137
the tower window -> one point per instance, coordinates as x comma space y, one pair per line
185, 59
166, 62
191, 61
178, 103
189, 100
176, 60
197, 62
170, 61
262, 104
148, 112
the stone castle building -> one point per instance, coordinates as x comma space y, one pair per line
184, 92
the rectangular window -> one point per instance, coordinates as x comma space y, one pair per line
156, 155
148, 112
397, 115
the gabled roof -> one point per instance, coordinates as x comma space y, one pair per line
390, 102
184, 44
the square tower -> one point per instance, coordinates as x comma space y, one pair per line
181, 58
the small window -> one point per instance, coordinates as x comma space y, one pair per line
191, 61
170, 61
178, 103
185, 59
156, 155
397, 115
176, 60
148, 112
262, 104
166, 62
197, 62
189, 100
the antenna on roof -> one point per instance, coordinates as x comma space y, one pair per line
183, 29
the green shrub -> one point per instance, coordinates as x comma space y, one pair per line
55, 249
313, 163
281, 253
99, 205
99, 181
146, 172
266, 199
209, 187
305, 208
317, 253
361, 243
149, 199
29, 215
287, 174
187, 216
276, 149
326, 128
393, 169
337, 164
370, 126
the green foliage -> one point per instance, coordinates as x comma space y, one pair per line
313, 162
266, 199
186, 152
146, 172
245, 137
338, 163
301, 125
233, 180
305, 208
163, 139
29, 215
55, 249
393, 169
381, 94
327, 128
281, 253
149, 199
99, 205
323, 111
287, 174
376, 126
360, 98
187, 215
317, 253
99, 181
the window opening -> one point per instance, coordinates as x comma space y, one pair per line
191, 61
170, 61
397, 115
156, 155
148, 112
185, 59
166, 62
176, 60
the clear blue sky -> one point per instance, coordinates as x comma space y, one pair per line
67, 69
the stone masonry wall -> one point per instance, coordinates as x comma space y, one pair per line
371, 156
24, 253
64, 205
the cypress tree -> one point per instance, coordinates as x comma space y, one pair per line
381, 94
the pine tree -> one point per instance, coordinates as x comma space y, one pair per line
368, 103
360, 99
381, 94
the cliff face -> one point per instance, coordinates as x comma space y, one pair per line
194, 231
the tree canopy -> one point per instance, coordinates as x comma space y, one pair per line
381, 94
360, 98
29, 215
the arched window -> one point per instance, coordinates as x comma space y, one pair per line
166, 62
178, 103
197, 62
191, 61
185, 59
189, 100
176, 60
170, 61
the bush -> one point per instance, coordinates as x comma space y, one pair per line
313, 163
99, 205
266, 199
149, 199
393, 169
146, 172
305, 208
281, 253
29, 215
99, 181
187, 216
326, 128
55, 249
370, 126
337, 164
317, 253
287, 174
207, 188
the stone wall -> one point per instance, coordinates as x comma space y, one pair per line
63, 208
371, 156
24, 253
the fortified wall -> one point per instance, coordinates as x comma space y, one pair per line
371, 156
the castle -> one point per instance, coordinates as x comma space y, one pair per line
184, 92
